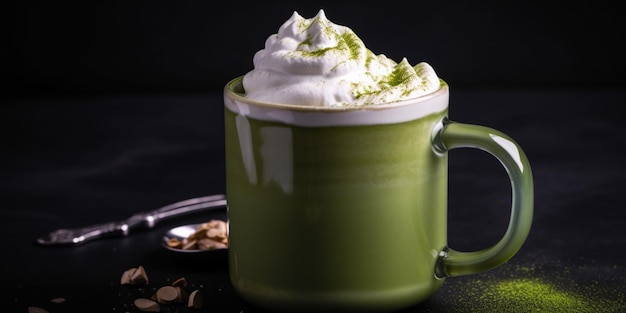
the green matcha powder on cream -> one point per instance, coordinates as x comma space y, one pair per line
349, 42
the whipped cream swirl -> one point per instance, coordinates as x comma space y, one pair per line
315, 62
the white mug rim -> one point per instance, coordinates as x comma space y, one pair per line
313, 116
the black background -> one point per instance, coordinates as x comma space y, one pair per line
113, 108
196, 46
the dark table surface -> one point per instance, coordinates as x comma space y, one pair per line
75, 161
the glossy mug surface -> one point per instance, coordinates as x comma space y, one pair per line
345, 209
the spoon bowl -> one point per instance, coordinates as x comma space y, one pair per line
180, 233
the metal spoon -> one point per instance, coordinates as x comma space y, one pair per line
124, 227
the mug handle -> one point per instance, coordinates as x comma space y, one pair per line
449, 135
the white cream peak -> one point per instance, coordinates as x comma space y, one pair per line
315, 62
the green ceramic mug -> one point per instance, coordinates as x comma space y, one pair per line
345, 209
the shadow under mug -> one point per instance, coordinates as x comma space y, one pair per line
344, 209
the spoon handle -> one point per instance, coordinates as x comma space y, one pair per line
122, 228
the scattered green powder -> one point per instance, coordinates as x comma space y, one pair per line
533, 295
533, 289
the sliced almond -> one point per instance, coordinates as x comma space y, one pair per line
183, 296
217, 230
221, 225
125, 279
134, 276
174, 243
210, 244
147, 305
139, 276
194, 236
214, 233
181, 282
167, 294
190, 244
216, 223
195, 300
